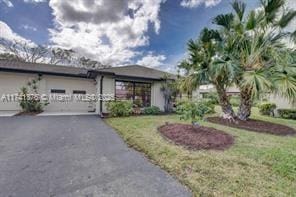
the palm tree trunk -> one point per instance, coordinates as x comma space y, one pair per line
245, 106
224, 101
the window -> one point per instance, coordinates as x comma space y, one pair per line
139, 93
57, 91
79, 92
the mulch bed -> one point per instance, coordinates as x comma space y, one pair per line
256, 126
196, 137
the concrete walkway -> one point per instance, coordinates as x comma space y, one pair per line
75, 156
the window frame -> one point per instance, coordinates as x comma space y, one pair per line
134, 90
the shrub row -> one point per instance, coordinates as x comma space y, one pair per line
125, 108
287, 113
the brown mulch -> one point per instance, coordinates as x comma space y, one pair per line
256, 126
196, 137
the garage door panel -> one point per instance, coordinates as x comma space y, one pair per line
70, 85
11, 83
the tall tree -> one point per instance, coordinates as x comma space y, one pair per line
259, 46
209, 63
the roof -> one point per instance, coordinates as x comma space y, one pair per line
27, 67
132, 71
138, 71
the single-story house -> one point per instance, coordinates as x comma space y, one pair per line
134, 82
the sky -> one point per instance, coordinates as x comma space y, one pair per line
152, 33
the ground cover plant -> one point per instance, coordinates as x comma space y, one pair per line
257, 164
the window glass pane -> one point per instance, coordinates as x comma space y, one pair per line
140, 93
79, 92
57, 91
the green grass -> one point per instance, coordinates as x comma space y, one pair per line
256, 165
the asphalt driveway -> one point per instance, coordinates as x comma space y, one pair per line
74, 156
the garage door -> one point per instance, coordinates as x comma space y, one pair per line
66, 86
11, 83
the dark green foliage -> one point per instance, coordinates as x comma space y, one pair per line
267, 109
213, 97
120, 108
189, 110
153, 110
287, 113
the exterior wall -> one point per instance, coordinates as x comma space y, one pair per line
157, 98
108, 88
281, 102
10, 83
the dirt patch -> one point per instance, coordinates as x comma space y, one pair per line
256, 126
196, 137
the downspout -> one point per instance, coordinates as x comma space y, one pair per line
101, 96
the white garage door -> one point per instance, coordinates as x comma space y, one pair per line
11, 83
66, 86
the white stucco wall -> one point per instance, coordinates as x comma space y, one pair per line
157, 98
281, 102
10, 83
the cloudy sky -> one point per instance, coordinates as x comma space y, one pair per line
116, 32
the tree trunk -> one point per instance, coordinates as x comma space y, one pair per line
224, 101
245, 106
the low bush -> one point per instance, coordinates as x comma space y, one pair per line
213, 97
120, 108
193, 110
210, 104
287, 113
153, 110
234, 101
267, 109
30, 100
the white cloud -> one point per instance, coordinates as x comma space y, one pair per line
196, 3
7, 3
153, 61
109, 31
28, 27
7, 34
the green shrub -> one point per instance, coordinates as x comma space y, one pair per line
210, 104
30, 100
153, 110
234, 101
213, 97
120, 108
287, 113
267, 109
193, 110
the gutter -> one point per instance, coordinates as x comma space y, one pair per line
101, 93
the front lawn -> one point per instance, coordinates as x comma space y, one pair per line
256, 165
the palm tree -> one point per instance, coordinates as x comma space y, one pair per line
257, 43
208, 63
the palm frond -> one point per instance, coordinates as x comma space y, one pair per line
257, 81
272, 8
286, 18
251, 21
239, 8
224, 20
286, 86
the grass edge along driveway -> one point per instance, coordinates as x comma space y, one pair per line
256, 165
